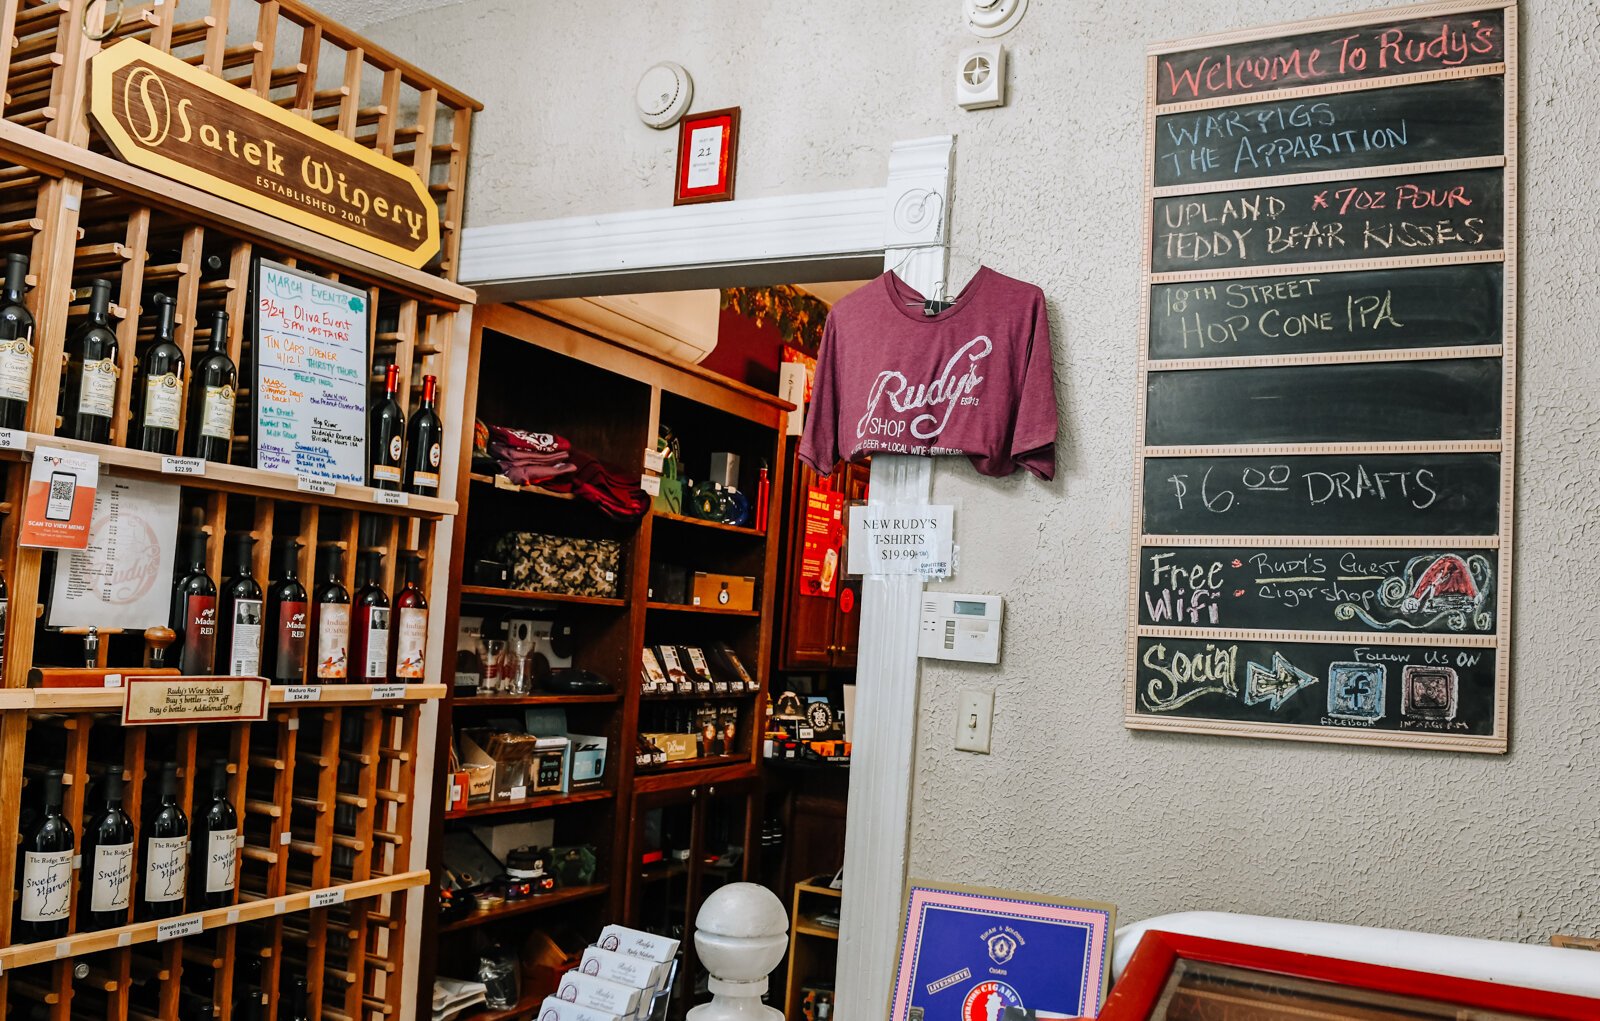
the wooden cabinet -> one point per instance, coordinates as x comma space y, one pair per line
821, 632
684, 844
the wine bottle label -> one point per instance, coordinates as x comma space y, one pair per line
111, 885
166, 869
199, 634
377, 664
425, 480
292, 631
97, 391
46, 885
333, 632
216, 413
385, 473
163, 401
433, 456
222, 854
244, 658
411, 640
395, 448
16, 368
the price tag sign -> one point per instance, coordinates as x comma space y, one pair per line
902, 539
13, 439
303, 693
178, 928
650, 484
720, 687
182, 465
654, 460
167, 699
703, 687
306, 484
519, 793
327, 898
390, 498
389, 691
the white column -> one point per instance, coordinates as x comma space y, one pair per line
878, 826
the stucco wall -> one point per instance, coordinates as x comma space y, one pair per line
1048, 189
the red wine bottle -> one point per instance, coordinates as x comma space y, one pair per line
423, 443
91, 388
411, 622
369, 625
214, 382
161, 411
194, 611
216, 843
331, 620
288, 617
16, 345
166, 855
46, 885
108, 858
386, 434
239, 615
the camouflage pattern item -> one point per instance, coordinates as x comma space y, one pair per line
553, 563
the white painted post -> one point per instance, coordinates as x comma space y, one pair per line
740, 935
877, 835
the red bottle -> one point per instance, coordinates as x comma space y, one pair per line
288, 614
410, 625
369, 625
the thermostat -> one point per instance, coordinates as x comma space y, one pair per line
963, 627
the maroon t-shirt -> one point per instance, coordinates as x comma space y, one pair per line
974, 379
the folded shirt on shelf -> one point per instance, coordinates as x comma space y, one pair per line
551, 462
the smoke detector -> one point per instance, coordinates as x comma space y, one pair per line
990, 18
981, 77
664, 94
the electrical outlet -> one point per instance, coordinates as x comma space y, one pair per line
974, 721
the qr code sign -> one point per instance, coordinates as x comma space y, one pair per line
61, 489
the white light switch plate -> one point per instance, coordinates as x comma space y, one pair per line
974, 721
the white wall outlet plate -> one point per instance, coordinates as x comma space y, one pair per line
974, 721
981, 77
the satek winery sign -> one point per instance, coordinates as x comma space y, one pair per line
159, 113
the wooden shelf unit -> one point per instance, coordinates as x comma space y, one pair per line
609, 397
813, 949
327, 787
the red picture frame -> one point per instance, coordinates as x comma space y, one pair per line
1150, 971
708, 155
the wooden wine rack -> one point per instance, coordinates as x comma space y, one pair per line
327, 787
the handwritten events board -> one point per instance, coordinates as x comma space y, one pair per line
311, 366
1326, 384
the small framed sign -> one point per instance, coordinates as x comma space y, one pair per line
708, 150
971, 954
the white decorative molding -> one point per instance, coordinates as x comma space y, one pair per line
820, 226
878, 820
917, 212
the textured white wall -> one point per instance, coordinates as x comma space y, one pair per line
1048, 189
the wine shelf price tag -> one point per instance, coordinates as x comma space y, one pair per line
13, 439
388, 691
112, 680
182, 465
179, 928
390, 498
124, 939
654, 460
306, 484
702, 687
233, 916
720, 687
303, 693
327, 898
64, 949
650, 484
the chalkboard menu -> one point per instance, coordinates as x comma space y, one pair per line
1326, 405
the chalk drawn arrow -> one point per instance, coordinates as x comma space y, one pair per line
1277, 685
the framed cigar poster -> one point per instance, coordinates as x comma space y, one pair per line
974, 954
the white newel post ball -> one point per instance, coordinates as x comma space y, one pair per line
740, 934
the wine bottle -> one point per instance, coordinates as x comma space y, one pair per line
423, 440
411, 622
166, 856
47, 869
16, 345
215, 384
287, 618
369, 625
239, 614
162, 411
194, 611
108, 852
385, 433
217, 837
91, 390
331, 620
294, 1001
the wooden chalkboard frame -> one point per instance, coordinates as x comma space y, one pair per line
1496, 742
